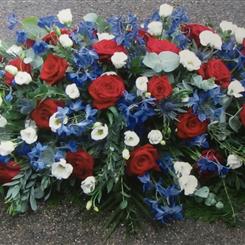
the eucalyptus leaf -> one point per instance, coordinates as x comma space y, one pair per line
234, 123
202, 192
169, 61
152, 61
123, 204
210, 201
205, 85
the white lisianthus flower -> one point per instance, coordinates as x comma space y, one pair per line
72, 91
3, 121
189, 60
65, 16
208, 38
228, 26
126, 154
99, 131
119, 59
141, 85
131, 138
88, 185
61, 170
14, 50
55, 122
6, 147
182, 168
65, 41
165, 10
235, 89
105, 36
155, 28
29, 135
30, 123
11, 69
188, 183
155, 137
234, 162
240, 34
22, 78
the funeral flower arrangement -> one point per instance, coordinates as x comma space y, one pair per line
138, 117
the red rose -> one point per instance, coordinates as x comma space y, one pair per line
143, 159
106, 48
29, 43
160, 87
106, 90
44, 110
218, 70
82, 162
20, 65
192, 31
243, 49
158, 46
53, 69
242, 115
8, 171
190, 126
52, 38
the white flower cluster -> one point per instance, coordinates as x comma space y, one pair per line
187, 182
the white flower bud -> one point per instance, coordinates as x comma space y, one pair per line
65, 16
65, 41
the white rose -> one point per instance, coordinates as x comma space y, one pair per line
65, 41
141, 84
155, 28
131, 138
65, 16
228, 26
126, 154
6, 147
188, 183
14, 50
208, 38
240, 34
155, 137
3, 121
234, 162
11, 69
105, 36
29, 135
119, 59
189, 60
72, 91
99, 132
88, 185
235, 89
55, 122
165, 10
22, 78
90, 17
61, 169
182, 168
30, 123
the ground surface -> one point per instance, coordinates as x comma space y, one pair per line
65, 223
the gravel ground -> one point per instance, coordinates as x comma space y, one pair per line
65, 223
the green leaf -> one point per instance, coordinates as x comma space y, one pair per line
202, 192
219, 205
234, 123
33, 201
29, 24
205, 85
101, 24
123, 204
169, 61
152, 61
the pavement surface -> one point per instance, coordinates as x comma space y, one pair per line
66, 223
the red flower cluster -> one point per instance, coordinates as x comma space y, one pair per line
82, 163
8, 171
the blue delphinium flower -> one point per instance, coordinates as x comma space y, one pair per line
181, 40
165, 163
87, 30
40, 47
125, 30
154, 17
23, 149
208, 104
49, 21
85, 58
170, 109
207, 165
12, 21
146, 181
4, 159
200, 141
21, 37
41, 156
